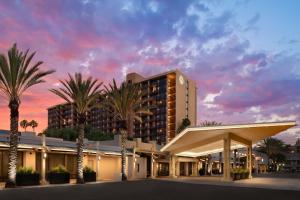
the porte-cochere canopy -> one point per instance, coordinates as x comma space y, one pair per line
197, 141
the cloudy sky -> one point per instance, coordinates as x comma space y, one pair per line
244, 55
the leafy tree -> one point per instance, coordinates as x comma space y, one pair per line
124, 102
24, 124
83, 93
185, 123
17, 74
210, 123
70, 134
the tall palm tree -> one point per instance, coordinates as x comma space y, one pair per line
125, 102
83, 94
17, 74
24, 124
33, 124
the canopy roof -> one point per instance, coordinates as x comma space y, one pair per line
197, 141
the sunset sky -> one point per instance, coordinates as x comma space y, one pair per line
244, 55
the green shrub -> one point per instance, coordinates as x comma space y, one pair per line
59, 169
25, 170
239, 170
87, 169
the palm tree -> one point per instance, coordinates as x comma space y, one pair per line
24, 124
272, 147
83, 93
33, 124
210, 123
16, 76
125, 102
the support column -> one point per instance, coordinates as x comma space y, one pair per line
220, 162
152, 165
234, 158
226, 142
43, 160
249, 160
133, 165
177, 170
186, 168
98, 158
172, 166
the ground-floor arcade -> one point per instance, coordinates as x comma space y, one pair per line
186, 155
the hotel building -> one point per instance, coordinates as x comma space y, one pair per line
185, 155
170, 96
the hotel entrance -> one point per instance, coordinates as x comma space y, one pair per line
162, 169
195, 142
186, 168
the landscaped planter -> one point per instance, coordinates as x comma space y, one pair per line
58, 178
27, 179
89, 176
236, 176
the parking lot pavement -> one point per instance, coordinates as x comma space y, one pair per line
145, 190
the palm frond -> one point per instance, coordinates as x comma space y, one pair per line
83, 93
17, 74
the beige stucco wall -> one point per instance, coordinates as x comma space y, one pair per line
140, 168
109, 168
181, 92
137, 167
192, 103
29, 159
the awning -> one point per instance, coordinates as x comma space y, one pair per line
197, 141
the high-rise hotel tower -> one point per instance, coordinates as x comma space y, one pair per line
170, 96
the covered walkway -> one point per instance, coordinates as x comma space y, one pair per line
199, 141
256, 182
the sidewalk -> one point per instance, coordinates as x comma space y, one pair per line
72, 182
257, 182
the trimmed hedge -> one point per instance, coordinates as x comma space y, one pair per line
27, 179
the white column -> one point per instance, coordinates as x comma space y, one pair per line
227, 141
172, 166
43, 160
133, 165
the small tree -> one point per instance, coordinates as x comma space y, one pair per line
24, 124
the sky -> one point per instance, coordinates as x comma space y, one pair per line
244, 55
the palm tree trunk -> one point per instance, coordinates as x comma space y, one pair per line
80, 179
13, 144
123, 153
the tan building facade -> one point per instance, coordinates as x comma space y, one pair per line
170, 96
185, 155
174, 97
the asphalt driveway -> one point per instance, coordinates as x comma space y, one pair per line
144, 190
